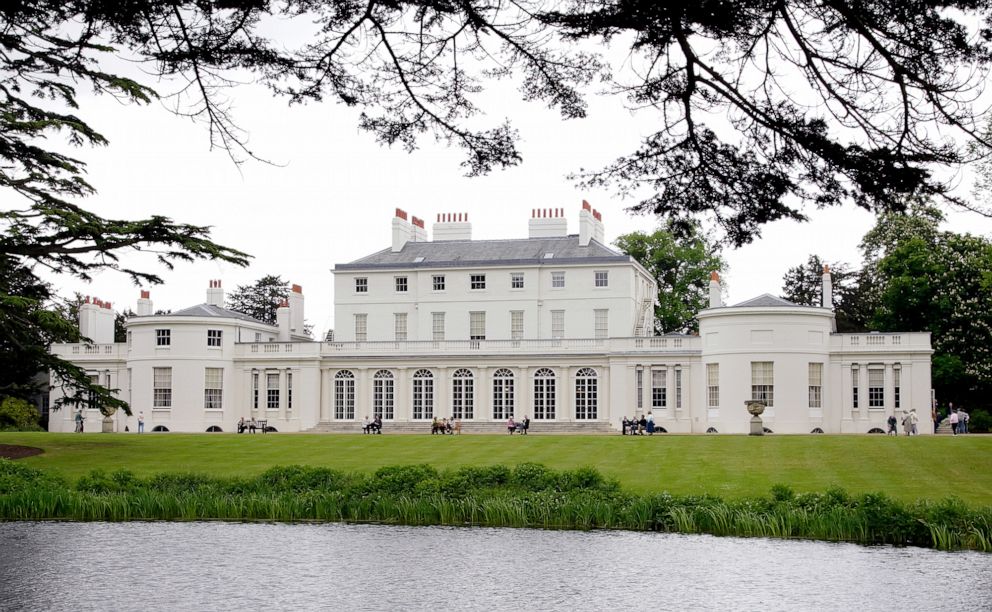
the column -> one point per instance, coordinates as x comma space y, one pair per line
442, 404
566, 394
326, 383
523, 402
402, 409
483, 395
283, 394
363, 401
863, 392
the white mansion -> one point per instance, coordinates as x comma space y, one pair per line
557, 327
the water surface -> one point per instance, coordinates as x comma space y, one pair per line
237, 566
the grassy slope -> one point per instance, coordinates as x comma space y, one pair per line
729, 466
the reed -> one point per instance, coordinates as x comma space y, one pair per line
528, 495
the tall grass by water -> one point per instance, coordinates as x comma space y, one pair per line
527, 495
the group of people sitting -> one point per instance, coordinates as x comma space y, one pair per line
372, 427
638, 427
446, 426
249, 426
521, 426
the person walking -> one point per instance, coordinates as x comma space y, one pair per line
79, 420
913, 421
953, 418
892, 425
963, 418
906, 420
650, 424
141, 422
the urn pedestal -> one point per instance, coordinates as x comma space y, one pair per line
756, 407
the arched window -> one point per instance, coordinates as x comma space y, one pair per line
423, 394
160, 428
503, 394
214, 429
462, 394
544, 395
344, 395
383, 393
586, 394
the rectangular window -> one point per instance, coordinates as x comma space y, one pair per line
272, 390
602, 322
854, 385
477, 325
213, 388
557, 280
129, 340
401, 284
214, 337
437, 282
896, 384
678, 388
816, 385
763, 382
516, 325
437, 326
713, 385
254, 390
162, 387
602, 278
639, 386
477, 281
557, 324
289, 390
516, 280
399, 326
163, 337
876, 388
361, 285
258, 336
361, 327
659, 389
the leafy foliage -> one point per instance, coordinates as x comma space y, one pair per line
804, 285
681, 262
18, 415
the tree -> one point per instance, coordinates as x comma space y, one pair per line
260, 299
762, 107
681, 264
804, 285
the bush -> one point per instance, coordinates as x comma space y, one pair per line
15, 477
298, 478
98, 481
18, 415
980, 421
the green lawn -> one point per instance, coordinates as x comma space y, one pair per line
729, 466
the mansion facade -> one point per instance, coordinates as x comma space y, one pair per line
557, 327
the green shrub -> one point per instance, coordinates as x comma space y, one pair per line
16, 477
297, 478
98, 481
399, 479
18, 415
979, 421
533, 477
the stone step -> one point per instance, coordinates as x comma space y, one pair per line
468, 427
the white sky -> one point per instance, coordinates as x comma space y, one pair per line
332, 198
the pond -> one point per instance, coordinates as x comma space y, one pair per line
248, 566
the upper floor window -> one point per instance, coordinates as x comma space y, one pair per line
602, 278
163, 337
558, 280
516, 280
602, 322
477, 281
361, 284
516, 324
401, 284
438, 282
214, 337
477, 326
399, 326
437, 326
361, 327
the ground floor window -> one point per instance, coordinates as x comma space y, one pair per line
344, 395
544, 394
763, 382
383, 394
462, 395
876, 388
503, 394
586, 394
213, 388
162, 388
272, 390
423, 394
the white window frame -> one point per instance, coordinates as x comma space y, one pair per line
876, 388
516, 325
545, 394
477, 282
462, 394
162, 388
586, 395
503, 394
557, 324
163, 337
763, 382
601, 322
361, 326
384, 395
272, 391
344, 395
361, 284
477, 325
601, 279
516, 281
816, 384
437, 326
659, 388
437, 282
399, 326
213, 388
713, 385
422, 394
558, 279
401, 284
215, 337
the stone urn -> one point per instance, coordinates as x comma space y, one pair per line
108, 420
756, 408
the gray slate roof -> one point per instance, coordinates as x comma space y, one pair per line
461, 253
209, 310
768, 300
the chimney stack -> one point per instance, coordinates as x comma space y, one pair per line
587, 229
144, 304
295, 303
547, 223
282, 321
716, 298
419, 231
215, 295
452, 226
96, 321
402, 231
827, 299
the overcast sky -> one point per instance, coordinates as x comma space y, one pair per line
330, 198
